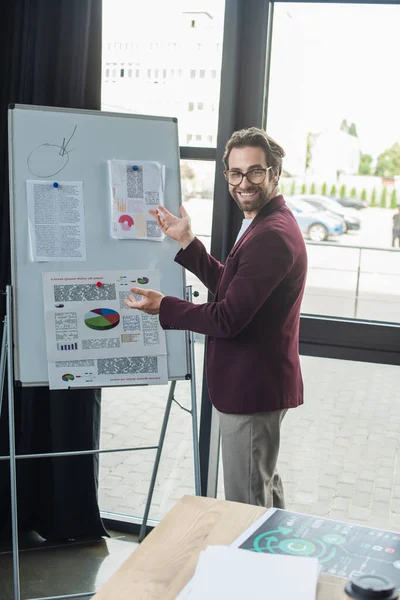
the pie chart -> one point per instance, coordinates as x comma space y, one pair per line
68, 377
102, 319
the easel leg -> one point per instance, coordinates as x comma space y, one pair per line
13, 462
195, 431
3, 361
157, 460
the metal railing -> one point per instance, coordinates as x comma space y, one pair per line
360, 250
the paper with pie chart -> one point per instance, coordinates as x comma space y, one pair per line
101, 372
86, 316
136, 186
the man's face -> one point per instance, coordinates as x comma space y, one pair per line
251, 197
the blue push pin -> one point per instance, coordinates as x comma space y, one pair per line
134, 168
55, 184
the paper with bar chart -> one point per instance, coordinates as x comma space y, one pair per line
136, 186
86, 316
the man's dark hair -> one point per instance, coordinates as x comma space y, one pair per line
257, 138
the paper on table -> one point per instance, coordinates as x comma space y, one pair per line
226, 572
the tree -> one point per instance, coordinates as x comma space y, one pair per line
324, 189
303, 189
364, 195
383, 199
187, 172
344, 126
342, 192
293, 188
393, 199
309, 151
353, 193
364, 167
333, 190
388, 163
353, 130
313, 189
373, 198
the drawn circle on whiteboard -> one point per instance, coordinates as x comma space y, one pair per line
47, 160
143, 280
126, 222
68, 377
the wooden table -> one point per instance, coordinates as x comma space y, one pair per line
166, 559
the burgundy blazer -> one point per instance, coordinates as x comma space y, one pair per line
253, 323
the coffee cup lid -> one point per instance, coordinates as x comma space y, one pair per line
371, 586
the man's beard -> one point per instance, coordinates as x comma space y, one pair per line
262, 198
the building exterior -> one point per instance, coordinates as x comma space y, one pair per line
175, 71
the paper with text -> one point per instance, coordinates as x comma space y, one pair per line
116, 371
56, 220
86, 316
136, 187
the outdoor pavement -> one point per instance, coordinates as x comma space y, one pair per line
339, 453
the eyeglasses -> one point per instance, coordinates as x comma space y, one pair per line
255, 176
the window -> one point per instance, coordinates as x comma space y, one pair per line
337, 153
129, 72
199, 137
334, 457
164, 73
107, 72
137, 73
200, 106
191, 106
149, 73
189, 138
156, 73
213, 73
122, 469
122, 72
114, 72
172, 73
192, 73
202, 73
210, 139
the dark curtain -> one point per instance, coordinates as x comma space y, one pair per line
50, 55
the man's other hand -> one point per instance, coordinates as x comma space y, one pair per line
149, 303
176, 228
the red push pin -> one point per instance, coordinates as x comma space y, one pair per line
99, 284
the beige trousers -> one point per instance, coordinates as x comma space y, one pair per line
250, 447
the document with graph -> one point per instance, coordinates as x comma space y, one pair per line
86, 316
136, 187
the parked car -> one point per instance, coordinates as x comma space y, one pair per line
315, 224
351, 221
351, 202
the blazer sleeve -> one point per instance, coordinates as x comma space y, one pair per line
265, 260
196, 259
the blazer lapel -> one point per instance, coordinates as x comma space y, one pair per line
275, 203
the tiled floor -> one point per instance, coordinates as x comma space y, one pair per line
48, 570
339, 452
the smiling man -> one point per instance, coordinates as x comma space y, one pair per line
252, 324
